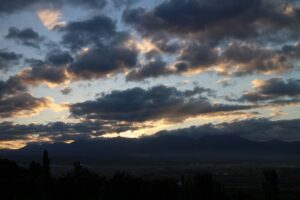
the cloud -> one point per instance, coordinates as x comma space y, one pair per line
157, 103
58, 58
43, 74
97, 29
235, 59
103, 49
52, 70
185, 16
238, 59
152, 69
242, 59
13, 6
22, 104
127, 3
8, 59
50, 18
225, 82
59, 67
103, 61
167, 47
273, 89
25, 36
16, 101
203, 40
11, 86
92, 4
210, 20
254, 129
54, 58
59, 131
66, 91
144, 46
199, 56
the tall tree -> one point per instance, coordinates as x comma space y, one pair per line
46, 163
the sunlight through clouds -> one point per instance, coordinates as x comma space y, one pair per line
51, 18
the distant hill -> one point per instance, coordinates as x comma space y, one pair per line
160, 150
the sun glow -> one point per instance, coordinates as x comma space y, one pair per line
143, 46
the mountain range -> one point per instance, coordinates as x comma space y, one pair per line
161, 150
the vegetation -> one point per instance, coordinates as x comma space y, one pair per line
36, 182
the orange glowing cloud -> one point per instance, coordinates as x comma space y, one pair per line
51, 18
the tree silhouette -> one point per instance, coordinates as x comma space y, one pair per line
18, 183
46, 164
35, 169
270, 185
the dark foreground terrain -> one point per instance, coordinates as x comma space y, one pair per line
233, 183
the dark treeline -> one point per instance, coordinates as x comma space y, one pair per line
36, 182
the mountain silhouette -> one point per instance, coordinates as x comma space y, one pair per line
164, 149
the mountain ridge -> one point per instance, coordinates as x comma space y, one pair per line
164, 149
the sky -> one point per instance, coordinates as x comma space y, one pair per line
84, 69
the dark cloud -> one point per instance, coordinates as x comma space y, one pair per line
60, 131
237, 59
14, 99
199, 56
96, 30
191, 15
102, 61
178, 16
206, 40
59, 66
66, 91
51, 70
273, 89
21, 104
58, 58
212, 19
13, 6
43, 74
165, 43
156, 103
93, 4
255, 59
168, 47
126, 3
8, 59
181, 66
11, 86
255, 129
25, 36
107, 52
153, 53
34, 62
152, 69
54, 58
